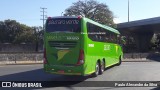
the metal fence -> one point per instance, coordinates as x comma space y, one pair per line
21, 57
20, 47
136, 55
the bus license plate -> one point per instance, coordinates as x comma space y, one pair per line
61, 71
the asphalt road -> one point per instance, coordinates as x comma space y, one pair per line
127, 71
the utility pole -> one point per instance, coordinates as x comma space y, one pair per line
128, 10
61, 13
43, 15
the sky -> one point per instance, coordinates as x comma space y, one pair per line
28, 11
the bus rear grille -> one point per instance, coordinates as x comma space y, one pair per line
62, 44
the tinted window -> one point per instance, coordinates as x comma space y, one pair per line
96, 33
63, 25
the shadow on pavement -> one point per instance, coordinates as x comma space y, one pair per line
157, 88
154, 57
40, 75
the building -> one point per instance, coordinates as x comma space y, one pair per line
139, 32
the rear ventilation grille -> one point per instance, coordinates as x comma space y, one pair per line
62, 44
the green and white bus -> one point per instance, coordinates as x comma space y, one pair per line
79, 46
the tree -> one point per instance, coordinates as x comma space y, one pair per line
12, 31
25, 36
38, 36
2, 31
91, 9
158, 41
9, 30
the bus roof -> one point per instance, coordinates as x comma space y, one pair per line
103, 26
63, 17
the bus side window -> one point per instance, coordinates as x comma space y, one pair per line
106, 37
94, 37
100, 38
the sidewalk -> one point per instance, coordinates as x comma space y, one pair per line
20, 62
41, 62
138, 60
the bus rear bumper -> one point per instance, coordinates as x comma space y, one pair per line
65, 70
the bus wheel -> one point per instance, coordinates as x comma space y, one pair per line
120, 61
96, 73
102, 68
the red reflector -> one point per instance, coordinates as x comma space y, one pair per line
45, 61
81, 55
44, 56
81, 58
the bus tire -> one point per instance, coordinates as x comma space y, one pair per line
102, 67
97, 68
120, 61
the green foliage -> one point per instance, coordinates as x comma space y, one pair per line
92, 9
154, 39
37, 34
14, 32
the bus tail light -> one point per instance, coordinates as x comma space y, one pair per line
81, 58
49, 18
44, 56
79, 17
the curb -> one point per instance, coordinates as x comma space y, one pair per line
138, 60
22, 64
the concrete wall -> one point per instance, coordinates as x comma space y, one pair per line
21, 57
19, 47
136, 55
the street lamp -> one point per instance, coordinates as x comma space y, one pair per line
128, 10
61, 13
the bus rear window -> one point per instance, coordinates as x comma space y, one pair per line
63, 25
